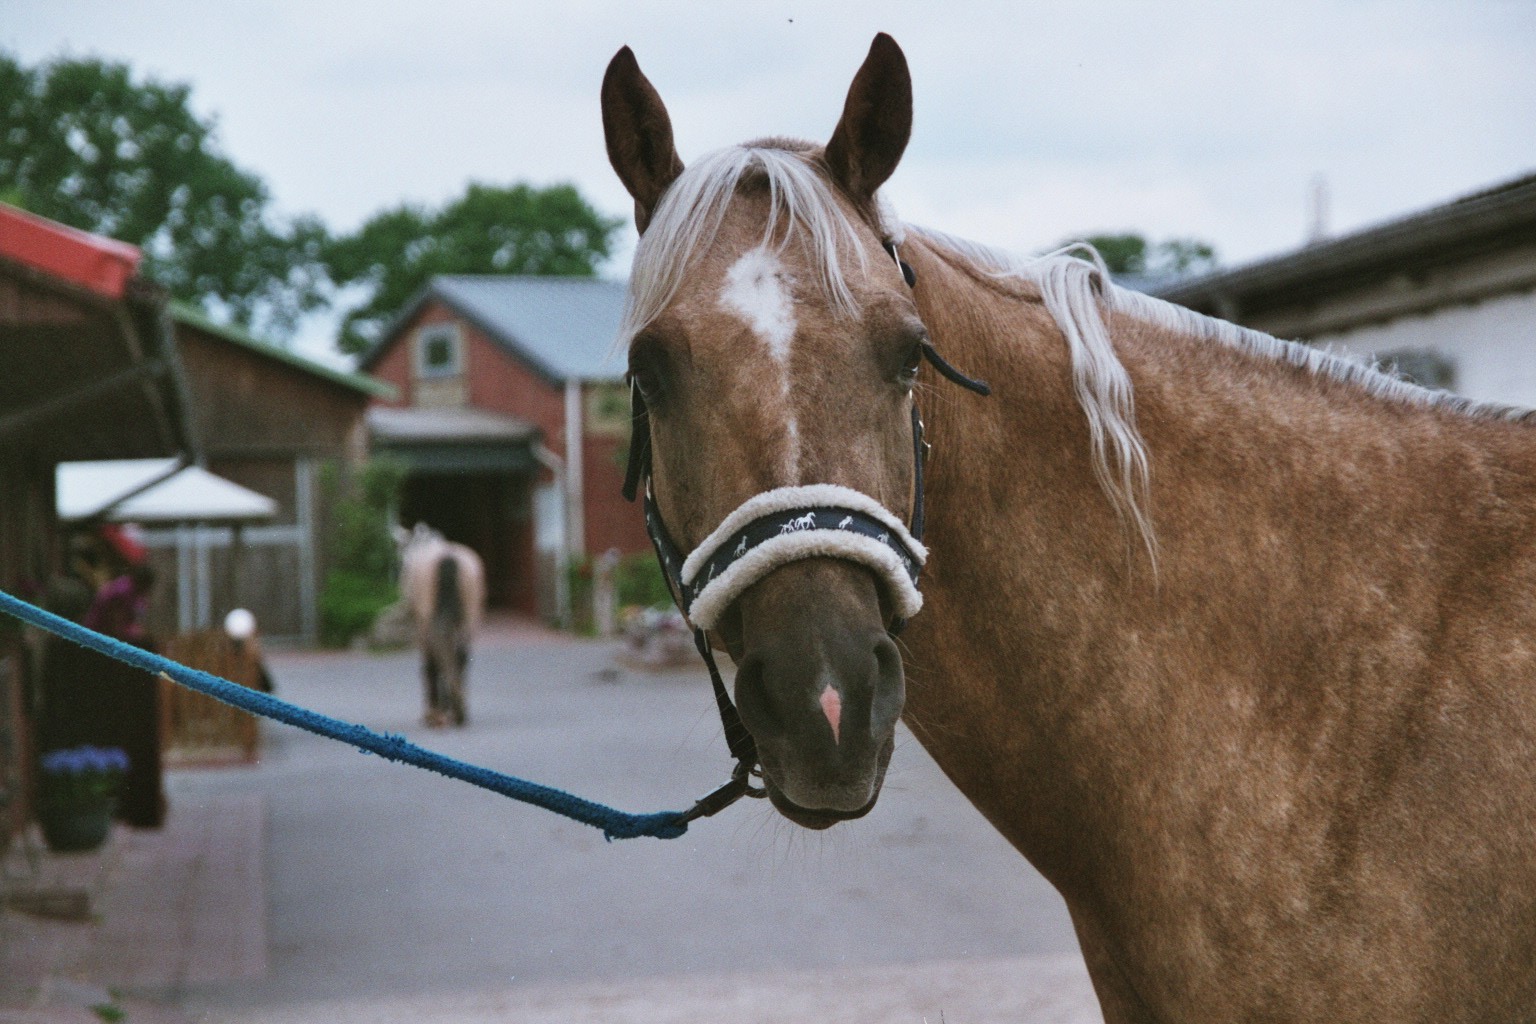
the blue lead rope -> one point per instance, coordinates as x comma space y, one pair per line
615, 824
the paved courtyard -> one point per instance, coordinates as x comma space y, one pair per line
395, 895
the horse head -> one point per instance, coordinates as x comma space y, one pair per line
774, 345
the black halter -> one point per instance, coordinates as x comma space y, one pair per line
758, 532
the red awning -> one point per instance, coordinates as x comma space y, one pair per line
102, 265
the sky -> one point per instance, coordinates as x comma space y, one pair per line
1035, 122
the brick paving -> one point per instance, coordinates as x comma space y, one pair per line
181, 906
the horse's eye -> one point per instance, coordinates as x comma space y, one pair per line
644, 380
644, 374
908, 376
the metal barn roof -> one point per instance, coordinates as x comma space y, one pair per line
564, 327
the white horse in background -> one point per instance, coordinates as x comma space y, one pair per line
444, 585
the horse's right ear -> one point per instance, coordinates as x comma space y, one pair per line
639, 135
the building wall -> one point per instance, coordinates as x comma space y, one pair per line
272, 427
610, 522
1490, 345
494, 380
245, 404
492, 513
506, 385
394, 365
499, 382
27, 540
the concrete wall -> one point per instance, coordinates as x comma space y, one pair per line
1491, 345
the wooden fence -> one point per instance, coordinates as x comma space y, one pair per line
200, 730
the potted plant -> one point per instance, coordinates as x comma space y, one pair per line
77, 793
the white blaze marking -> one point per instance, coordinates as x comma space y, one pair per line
757, 290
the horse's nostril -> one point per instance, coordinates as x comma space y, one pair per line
754, 699
890, 692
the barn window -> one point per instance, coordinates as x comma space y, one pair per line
439, 351
1422, 366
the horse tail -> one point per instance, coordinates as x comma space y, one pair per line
448, 608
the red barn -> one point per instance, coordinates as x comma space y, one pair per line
514, 421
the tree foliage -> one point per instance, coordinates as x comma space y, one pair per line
517, 229
85, 143
361, 582
1130, 253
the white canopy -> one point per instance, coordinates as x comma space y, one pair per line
153, 491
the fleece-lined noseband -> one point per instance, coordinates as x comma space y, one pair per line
776, 527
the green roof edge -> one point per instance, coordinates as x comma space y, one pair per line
183, 313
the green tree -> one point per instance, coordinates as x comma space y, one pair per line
1131, 253
361, 581
517, 229
85, 143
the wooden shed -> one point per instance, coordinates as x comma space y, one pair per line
91, 372
271, 421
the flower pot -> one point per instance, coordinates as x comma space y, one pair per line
75, 829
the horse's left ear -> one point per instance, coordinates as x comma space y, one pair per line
876, 122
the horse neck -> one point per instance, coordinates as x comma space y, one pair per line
1053, 660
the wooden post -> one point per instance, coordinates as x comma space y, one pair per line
236, 570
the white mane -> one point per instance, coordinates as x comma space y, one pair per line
1093, 279
1074, 291
689, 215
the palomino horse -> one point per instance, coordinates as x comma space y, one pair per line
444, 584
1234, 640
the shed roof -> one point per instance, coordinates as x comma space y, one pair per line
370, 386
419, 425
94, 262
563, 327
91, 365
1498, 217
459, 439
154, 491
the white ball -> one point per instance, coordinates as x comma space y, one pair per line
240, 624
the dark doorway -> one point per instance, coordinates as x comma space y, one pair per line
490, 513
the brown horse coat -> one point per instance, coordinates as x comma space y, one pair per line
1233, 641
1292, 776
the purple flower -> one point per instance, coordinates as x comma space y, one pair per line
85, 761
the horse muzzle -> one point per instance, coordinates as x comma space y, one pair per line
807, 583
820, 686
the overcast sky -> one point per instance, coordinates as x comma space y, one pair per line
1034, 121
